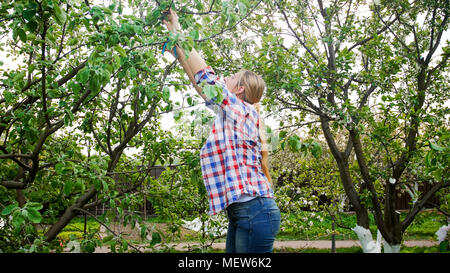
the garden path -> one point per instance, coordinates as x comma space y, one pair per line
319, 244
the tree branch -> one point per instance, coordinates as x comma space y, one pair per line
383, 29
364, 170
44, 78
420, 204
231, 27
210, 11
296, 35
103, 224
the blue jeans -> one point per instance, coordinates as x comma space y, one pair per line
252, 226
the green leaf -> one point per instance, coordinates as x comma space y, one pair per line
76, 88
219, 96
177, 115
97, 184
107, 238
133, 72
34, 216
436, 147
9, 209
83, 75
143, 231
68, 187
116, 61
59, 168
428, 158
282, 134
105, 185
70, 114
67, 121
209, 91
166, 94
34, 205
112, 204
194, 34
31, 26
72, 41
19, 76
88, 246
156, 238
8, 96
94, 83
22, 35
18, 219
316, 150
120, 50
60, 15
294, 143
443, 246
242, 8
28, 14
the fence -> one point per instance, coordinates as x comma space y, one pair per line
403, 200
147, 208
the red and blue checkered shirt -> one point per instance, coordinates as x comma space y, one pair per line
231, 156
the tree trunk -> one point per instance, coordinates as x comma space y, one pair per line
69, 214
362, 216
388, 248
367, 243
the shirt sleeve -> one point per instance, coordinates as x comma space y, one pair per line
230, 103
233, 109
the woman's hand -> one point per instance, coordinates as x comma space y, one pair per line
172, 25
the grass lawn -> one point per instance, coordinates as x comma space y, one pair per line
295, 227
434, 249
302, 226
305, 226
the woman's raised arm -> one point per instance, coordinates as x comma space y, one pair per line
195, 62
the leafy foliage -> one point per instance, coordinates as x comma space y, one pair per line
83, 88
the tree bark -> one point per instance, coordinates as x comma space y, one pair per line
341, 159
69, 214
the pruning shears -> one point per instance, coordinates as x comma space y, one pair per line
165, 13
165, 46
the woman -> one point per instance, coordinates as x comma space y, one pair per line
234, 159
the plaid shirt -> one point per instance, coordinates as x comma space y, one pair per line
231, 156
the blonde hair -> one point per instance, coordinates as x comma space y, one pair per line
254, 86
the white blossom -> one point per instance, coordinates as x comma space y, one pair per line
392, 180
442, 233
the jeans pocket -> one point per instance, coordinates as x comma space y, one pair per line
238, 211
275, 221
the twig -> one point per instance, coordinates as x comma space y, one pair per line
103, 224
336, 221
439, 209
231, 27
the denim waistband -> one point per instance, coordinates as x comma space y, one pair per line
259, 199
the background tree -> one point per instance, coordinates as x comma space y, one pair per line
372, 70
87, 76
80, 105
